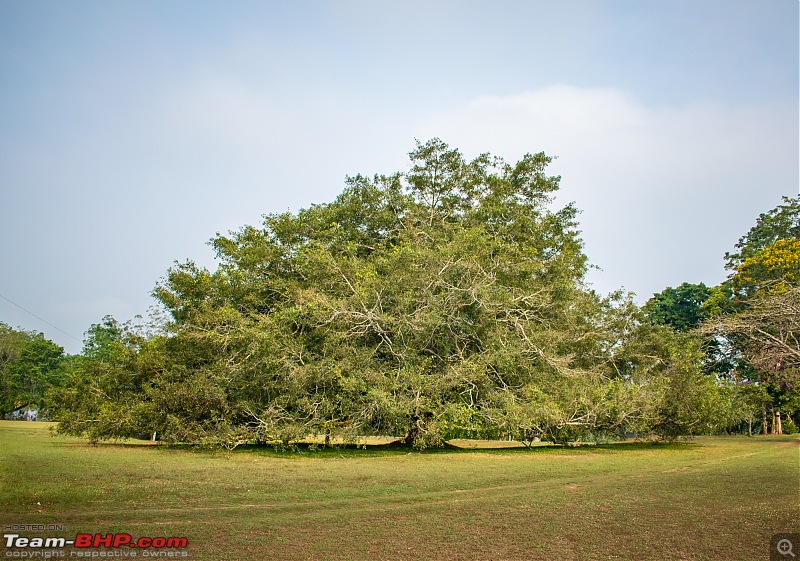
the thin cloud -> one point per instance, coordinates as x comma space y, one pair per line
665, 190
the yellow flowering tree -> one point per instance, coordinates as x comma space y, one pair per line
770, 269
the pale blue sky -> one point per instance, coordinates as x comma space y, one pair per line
131, 132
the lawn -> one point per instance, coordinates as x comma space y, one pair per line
711, 498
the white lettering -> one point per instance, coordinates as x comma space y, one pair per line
10, 539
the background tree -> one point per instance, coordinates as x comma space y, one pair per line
767, 342
772, 268
681, 308
11, 343
753, 314
780, 223
29, 366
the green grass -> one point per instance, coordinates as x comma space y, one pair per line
712, 498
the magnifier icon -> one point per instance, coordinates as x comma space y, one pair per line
784, 547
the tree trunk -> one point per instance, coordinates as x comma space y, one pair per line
764, 411
412, 432
750, 425
774, 422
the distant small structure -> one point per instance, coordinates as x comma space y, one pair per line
24, 413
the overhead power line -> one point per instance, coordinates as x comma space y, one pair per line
39, 318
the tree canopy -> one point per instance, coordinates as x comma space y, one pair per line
681, 308
442, 302
753, 315
780, 223
29, 366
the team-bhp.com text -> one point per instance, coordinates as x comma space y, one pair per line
116, 545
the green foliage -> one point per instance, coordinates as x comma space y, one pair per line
720, 301
448, 301
11, 343
29, 366
753, 314
681, 308
765, 337
101, 395
780, 223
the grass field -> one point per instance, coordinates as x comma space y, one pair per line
712, 498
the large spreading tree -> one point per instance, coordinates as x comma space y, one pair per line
446, 301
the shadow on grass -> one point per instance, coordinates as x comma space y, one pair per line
393, 448
399, 448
